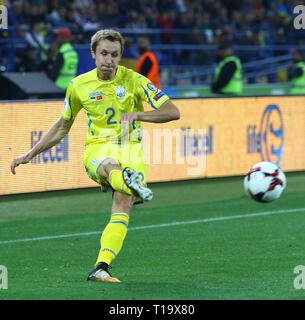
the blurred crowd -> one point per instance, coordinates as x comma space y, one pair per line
192, 22
205, 21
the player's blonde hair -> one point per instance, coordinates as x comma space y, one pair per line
108, 34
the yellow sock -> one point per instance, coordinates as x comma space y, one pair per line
117, 183
113, 237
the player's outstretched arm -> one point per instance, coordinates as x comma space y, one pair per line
167, 112
57, 132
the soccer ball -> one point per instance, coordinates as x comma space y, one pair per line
265, 182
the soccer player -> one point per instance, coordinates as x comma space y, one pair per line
111, 96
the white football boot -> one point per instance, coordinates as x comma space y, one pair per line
132, 180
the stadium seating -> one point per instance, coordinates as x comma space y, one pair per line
184, 34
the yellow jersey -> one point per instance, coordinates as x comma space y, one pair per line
104, 102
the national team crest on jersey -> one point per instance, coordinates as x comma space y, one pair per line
120, 92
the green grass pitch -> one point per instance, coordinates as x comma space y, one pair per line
197, 240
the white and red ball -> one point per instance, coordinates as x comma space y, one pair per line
265, 182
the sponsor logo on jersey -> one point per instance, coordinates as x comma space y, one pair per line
96, 95
158, 95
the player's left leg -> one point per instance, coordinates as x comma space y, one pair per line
113, 237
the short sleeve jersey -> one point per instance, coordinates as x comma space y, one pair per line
104, 102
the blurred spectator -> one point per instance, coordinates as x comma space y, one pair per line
242, 22
224, 36
222, 18
57, 16
166, 5
296, 73
280, 38
84, 3
243, 16
129, 51
139, 23
28, 62
184, 23
71, 16
228, 73
196, 36
35, 37
180, 6
200, 57
63, 59
148, 63
92, 23
282, 8
151, 18
19, 15
37, 12
166, 22
206, 26
195, 57
22, 31
110, 14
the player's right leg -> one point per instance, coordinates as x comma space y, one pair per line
126, 181
132, 180
103, 165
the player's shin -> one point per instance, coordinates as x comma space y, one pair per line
113, 237
117, 183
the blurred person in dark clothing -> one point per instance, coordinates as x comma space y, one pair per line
28, 62
228, 73
151, 18
35, 36
296, 73
61, 67
19, 15
166, 21
148, 63
197, 37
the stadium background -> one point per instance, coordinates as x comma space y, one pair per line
184, 36
266, 123
204, 143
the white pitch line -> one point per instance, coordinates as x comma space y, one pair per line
175, 223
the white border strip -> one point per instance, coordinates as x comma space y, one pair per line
175, 223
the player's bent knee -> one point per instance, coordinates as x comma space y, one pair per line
107, 165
